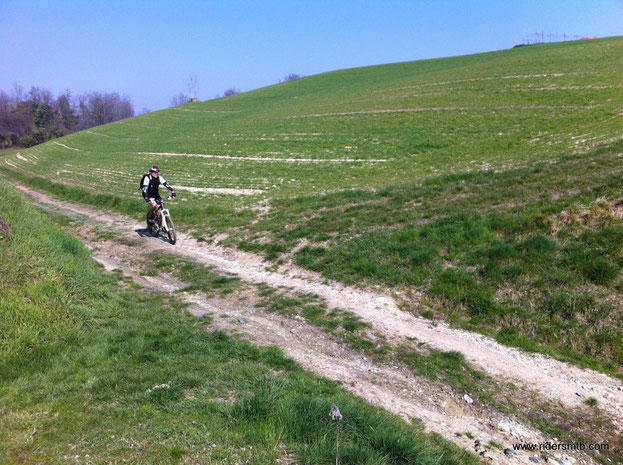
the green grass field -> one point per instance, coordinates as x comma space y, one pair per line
363, 127
487, 182
93, 370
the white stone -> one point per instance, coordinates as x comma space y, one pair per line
503, 426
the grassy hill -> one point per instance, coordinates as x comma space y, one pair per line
482, 187
417, 119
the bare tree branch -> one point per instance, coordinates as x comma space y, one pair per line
192, 86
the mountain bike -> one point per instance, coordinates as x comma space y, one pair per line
154, 223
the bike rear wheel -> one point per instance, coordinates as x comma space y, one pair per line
170, 230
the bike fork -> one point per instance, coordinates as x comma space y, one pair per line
163, 217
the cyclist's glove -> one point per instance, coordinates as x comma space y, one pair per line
173, 194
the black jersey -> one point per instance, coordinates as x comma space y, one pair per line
151, 185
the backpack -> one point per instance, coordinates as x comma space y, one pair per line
140, 186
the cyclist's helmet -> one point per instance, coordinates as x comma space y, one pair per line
154, 169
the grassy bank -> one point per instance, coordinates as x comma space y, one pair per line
532, 255
95, 372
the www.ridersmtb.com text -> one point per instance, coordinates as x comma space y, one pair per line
552, 446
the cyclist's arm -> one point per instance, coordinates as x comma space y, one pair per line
166, 184
145, 187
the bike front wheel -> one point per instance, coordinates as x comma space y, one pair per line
170, 230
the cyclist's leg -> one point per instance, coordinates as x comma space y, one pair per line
153, 208
158, 210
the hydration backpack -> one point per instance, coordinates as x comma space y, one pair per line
140, 186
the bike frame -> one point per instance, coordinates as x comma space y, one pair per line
162, 221
163, 214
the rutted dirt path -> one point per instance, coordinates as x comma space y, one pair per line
393, 388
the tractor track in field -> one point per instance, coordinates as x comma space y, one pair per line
394, 388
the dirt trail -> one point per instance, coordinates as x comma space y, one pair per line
393, 388
389, 387
552, 379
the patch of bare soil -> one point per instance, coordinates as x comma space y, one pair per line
394, 388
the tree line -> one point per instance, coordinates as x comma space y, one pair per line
32, 117
36, 116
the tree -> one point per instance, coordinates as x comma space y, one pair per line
99, 108
66, 120
291, 77
22, 118
192, 86
18, 93
34, 117
40, 95
179, 99
6, 120
231, 91
43, 116
7, 137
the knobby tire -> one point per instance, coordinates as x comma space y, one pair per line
171, 230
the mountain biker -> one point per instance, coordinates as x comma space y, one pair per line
151, 183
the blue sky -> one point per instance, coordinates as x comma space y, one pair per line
148, 49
